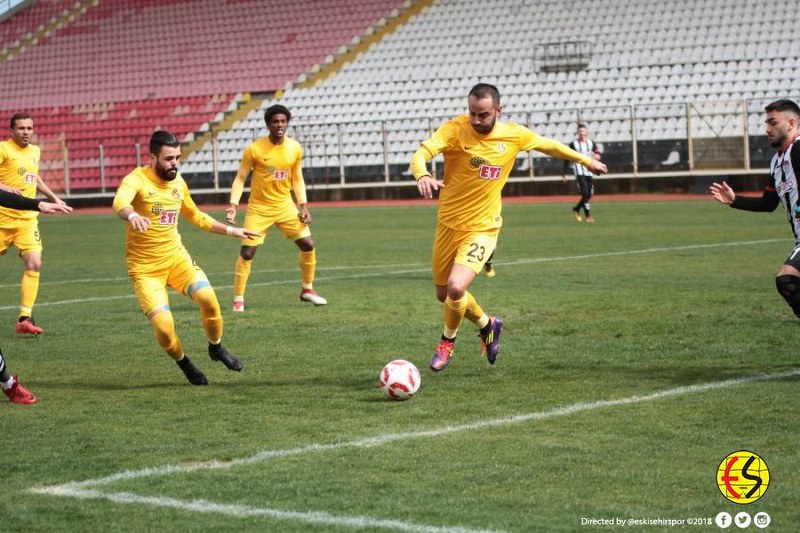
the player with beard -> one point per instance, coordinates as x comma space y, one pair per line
276, 162
783, 132
150, 200
479, 152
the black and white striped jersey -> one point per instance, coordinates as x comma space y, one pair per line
784, 169
587, 148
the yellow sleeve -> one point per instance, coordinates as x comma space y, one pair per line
298, 183
419, 161
556, 149
192, 214
125, 194
237, 187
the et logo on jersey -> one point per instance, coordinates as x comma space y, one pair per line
485, 170
165, 217
490, 172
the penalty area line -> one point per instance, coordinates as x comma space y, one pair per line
84, 489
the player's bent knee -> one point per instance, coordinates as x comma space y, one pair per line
248, 252
789, 287
164, 328
206, 298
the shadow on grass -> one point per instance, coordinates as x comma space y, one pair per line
676, 375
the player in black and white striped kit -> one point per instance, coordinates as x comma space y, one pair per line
783, 118
583, 176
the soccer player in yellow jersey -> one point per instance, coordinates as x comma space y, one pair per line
276, 163
150, 200
479, 153
19, 172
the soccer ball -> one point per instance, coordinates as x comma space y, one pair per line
400, 379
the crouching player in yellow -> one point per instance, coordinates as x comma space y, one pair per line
150, 200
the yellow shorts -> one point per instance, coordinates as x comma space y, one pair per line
181, 274
24, 234
286, 221
468, 248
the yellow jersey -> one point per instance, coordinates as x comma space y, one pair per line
160, 201
19, 169
476, 168
277, 171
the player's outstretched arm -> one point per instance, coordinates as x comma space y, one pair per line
722, 193
44, 189
50, 208
231, 231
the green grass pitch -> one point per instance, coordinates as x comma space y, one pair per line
637, 353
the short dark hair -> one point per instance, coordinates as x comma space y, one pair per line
277, 109
19, 116
783, 105
485, 90
162, 138
581, 125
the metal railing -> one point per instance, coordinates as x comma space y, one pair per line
642, 140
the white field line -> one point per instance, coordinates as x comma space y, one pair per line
84, 489
404, 269
246, 511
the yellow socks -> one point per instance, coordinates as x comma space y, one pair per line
241, 274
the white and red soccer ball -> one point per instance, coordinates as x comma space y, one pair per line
400, 379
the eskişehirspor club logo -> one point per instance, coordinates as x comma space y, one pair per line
743, 477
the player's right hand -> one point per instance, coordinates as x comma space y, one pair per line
426, 185
139, 223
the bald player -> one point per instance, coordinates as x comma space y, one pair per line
479, 152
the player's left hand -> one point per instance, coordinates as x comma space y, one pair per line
722, 193
597, 167
304, 215
243, 233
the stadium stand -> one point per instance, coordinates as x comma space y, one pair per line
666, 60
120, 69
674, 70
34, 19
